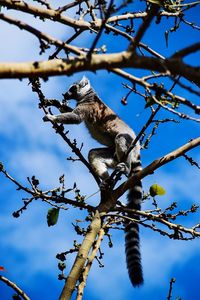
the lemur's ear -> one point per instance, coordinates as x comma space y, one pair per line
84, 80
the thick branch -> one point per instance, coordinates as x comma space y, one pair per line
44, 13
81, 258
186, 51
89, 264
56, 15
97, 62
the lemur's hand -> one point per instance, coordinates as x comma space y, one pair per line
48, 118
123, 168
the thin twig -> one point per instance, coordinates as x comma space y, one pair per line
172, 281
119, 191
107, 15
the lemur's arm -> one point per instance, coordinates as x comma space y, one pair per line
74, 117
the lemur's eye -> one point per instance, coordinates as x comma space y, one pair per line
73, 89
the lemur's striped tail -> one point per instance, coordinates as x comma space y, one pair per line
132, 239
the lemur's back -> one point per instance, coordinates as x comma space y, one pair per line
102, 123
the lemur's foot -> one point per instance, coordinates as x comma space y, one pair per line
122, 168
48, 117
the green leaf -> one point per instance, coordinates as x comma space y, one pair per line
52, 216
156, 190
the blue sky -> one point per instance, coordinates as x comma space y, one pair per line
30, 147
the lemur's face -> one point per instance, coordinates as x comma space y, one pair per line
78, 90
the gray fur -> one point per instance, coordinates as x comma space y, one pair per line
108, 129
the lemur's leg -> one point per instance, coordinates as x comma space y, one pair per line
122, 144
101, 159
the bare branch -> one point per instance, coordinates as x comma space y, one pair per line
108, 12
77, 268
172, 281
154, 87
40, 35
158, 218
186, 51
140, 15
154, 166
97, 62
14, 287
88, 266
44, 13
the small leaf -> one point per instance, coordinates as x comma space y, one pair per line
52, 216
156, 190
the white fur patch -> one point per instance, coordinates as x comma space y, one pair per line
86, 86
85, 89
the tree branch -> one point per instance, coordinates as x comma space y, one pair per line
98, 62
141, 31
81, 257
154, 87
139, 15
118, 192
51, 14
186, 51
14, 287
40, 35
88, 266
158, 218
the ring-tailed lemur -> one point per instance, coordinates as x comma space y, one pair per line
108, 129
